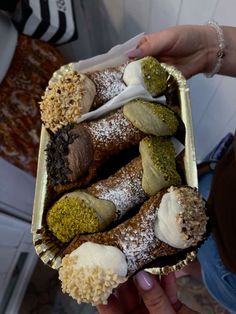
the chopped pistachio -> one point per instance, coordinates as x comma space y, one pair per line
70, 216
159, 167
154, 75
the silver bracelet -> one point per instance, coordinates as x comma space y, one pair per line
221, 47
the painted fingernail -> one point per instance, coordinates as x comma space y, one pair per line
144, 280
135, 53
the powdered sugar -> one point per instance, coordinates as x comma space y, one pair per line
108, 82
125, 191
112, 129
138, 243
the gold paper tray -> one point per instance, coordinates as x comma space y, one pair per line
49, 251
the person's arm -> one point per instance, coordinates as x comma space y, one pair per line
191, 48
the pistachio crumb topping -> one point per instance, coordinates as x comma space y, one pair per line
154, 76
166, 115
162, 153
70, 216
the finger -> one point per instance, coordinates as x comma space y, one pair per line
168, 284
144, 48
128, 295
154, 44
186, 310
152, 294
150, 45
141, 309
112, 307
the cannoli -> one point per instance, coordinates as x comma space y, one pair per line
106, 201
76, 93
66, 99
108, 82
75, 153
170, 221
149, 73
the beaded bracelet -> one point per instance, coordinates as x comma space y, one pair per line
221, 46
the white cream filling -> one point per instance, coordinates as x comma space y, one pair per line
167, 228
105, 256
133, 74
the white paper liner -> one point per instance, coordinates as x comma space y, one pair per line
116, 57
130, 92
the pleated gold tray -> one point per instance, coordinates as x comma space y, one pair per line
49, 250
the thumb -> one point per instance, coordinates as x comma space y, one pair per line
152, 294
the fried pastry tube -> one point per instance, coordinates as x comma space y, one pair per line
74, 94
75, 153
93, 209
170, 221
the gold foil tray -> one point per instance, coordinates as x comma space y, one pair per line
48, 250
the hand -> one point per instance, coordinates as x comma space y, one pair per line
185, 46
145, 294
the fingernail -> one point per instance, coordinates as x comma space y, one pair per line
135, 53
144, 280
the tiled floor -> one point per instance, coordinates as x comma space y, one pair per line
44, 296
195, 295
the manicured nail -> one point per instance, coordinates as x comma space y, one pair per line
135, 53
144, 280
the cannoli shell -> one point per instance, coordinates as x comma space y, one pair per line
134, 237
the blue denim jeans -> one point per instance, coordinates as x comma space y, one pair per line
220, 282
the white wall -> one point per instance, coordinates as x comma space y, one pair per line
104, 23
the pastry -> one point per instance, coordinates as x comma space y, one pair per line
106, 201
75, 153
109, 83
66, 99
170, 221
76, 93
147, 72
